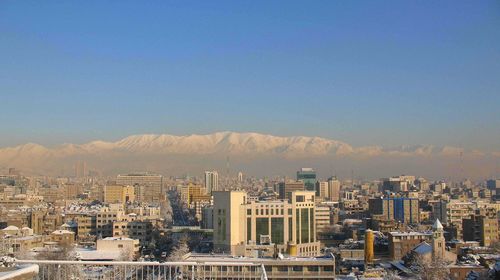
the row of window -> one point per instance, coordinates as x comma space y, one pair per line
266, 212
129, 227
135, 234
305, 204
109, 215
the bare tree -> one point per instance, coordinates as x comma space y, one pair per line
179, 250
22, 254
495, 246
427, 270
126, 254
392, 275
65, 251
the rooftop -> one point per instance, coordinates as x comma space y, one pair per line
25, 271
229, 258
117, 238
11, 228
410, 233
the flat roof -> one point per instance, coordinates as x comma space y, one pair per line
409, 233
229, 258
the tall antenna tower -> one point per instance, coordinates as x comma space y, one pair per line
227, 171
352, 177
461, 170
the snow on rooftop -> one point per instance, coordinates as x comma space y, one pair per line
117, 238
11, 228
408, 233
225, 258
62, 231
97, 255
423, 248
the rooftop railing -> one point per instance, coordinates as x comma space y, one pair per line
104, 270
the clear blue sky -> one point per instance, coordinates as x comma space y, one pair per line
365, 72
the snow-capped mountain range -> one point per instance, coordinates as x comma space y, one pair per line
231, 143
254, 152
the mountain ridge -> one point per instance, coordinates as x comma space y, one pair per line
229, 143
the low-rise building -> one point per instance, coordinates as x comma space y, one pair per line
62, 236
400, 243
127, 247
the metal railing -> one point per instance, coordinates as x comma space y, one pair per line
107, 270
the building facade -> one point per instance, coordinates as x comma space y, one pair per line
402, 209
308, 176
147, 187
480, 228
286, 188
211, 181
119, 194
242, 227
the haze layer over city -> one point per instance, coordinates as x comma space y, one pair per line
283, 139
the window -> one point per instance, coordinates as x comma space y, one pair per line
262, 228
120, 245
304, 225
297, 226
249, 229
328, 268
311, 224
282, 268
278, 232
312, 268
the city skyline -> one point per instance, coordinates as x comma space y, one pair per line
250, 140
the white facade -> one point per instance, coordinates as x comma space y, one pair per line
126, 246
322, 217
211, 181
241, 227
333, 189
